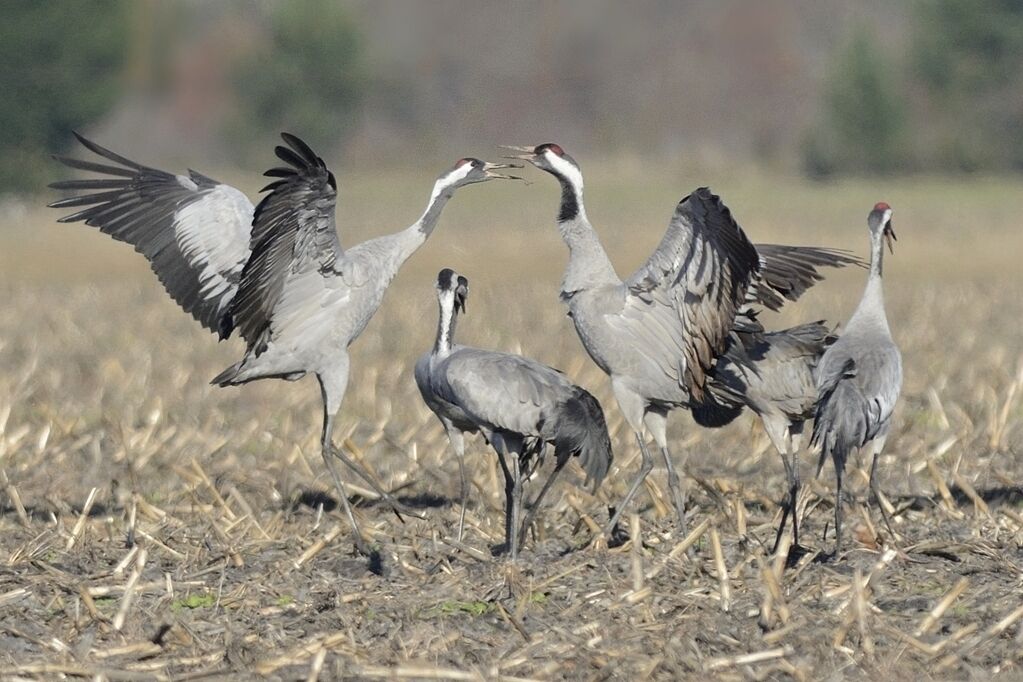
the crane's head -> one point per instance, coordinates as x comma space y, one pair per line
552, 158
469, 170
880, 222
451, 284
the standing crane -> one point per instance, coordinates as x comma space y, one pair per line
275, 272
774, 375
518, 404
658, 333
859, 377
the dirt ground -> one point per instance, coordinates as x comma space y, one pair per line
154, 527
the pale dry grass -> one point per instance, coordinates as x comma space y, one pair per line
108, 428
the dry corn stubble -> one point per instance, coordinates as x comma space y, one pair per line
241, 564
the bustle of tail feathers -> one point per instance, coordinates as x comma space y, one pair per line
837, 431
713, 415
580, 430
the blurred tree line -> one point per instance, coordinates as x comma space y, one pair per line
61, 69
952, 102
940, 90
67, 64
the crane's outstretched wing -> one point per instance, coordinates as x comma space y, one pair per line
294, 240
788, 271
686, 296
193, 230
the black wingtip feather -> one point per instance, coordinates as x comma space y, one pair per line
303, 150
106, 153
290, 157
94, 167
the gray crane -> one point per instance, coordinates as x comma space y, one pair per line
657, 334
774, 375
859, 377
275, 272
518, 404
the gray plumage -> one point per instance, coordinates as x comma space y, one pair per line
658, 333
276, 272
860, 377
518, 404
774, 375
193, 230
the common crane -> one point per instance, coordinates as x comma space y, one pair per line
275, 272
774, 375
860, 377
518, 404
658, 333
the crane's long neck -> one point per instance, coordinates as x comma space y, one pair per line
445, 324
412, 237
588, 264
871, 305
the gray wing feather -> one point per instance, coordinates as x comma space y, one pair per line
499, 390
193, 230
788, 271
769, 372
702, 271
293, 237
858, 390
504, 393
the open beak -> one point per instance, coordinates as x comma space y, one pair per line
889, 236
529, 155
461, 293
489, 168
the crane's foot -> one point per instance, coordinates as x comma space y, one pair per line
614, 533
795, 554
505, 551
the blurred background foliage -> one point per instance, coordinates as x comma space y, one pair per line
827, 88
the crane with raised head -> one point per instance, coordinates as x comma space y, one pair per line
658, 333
518, 404
860, 377
275, 273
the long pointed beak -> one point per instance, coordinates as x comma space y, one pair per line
889, 236
461, 293
529, 155
489, 169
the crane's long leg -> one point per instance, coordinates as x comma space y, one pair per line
839, 471
790, 506
510, 480
678, 491
656, 421
644, 470
516, 515
397, 507
795, 445
458, 445
539, 498
332, 386
878, 446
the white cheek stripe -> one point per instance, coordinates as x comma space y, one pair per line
565, 168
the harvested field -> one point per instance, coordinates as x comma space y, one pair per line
155, 527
